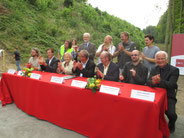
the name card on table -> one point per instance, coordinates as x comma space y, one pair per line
148, 96
57, 79
20, 73
35, 76
11, 71
109, 90
80, 84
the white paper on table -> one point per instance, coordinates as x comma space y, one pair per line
148, 96
57, 79
80, 84
11, 71
20, 73
109, 90
35, 76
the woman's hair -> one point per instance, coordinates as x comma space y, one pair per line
69, 43
37, 51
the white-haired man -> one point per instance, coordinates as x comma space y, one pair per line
90, 47
166, 76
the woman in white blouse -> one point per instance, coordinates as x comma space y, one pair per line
106, 46
66, 66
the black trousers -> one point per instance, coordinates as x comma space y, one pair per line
171, 111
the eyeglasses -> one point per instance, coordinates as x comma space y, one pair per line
134, 55
160, 58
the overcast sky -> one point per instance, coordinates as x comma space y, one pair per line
140, 13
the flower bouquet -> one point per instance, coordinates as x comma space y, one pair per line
27, 72
93, 84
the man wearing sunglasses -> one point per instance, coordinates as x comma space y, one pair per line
134, 72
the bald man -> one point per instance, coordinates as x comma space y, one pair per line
134, 72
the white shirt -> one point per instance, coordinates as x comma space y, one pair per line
112, 49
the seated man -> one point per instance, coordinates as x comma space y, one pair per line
85, 67
107, 70
166, 76
134, 72
51, 63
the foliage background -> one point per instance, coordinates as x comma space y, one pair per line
47, 23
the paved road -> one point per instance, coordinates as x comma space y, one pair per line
14, 123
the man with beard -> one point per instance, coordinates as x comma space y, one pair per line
124, 50
149, 52
134, 72
90, 47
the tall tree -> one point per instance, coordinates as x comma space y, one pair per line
168, 29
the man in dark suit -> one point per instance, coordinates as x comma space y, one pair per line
90, 47
85, 67
51, 63
166, 76
107, 70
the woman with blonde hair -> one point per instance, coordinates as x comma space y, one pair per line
66, 66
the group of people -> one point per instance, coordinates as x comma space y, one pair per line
149, 67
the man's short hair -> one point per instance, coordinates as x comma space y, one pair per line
50, 50
88, 34
125, 33
151, 37
162, 52
84, 53
107, 54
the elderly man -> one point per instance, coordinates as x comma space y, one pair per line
51, 63
107, 70
149, 52
134, 72
106, 46
90, 47
166, 76
85, 67
124, 50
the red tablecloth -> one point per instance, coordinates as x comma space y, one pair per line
94, 115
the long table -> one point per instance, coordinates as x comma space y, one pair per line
96, 115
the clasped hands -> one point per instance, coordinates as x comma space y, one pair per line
41, 61
156, 79
121, 77
121, 47
99, 73
77, 65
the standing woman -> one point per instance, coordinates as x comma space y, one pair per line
67, 47
75, 47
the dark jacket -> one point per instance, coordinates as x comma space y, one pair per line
88, 71
169, 77
112, 72
140, 76
52, 67
91, 50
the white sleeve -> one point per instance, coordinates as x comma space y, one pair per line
99, 48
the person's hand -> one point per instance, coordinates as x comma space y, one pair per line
104, 48
142, 55
79, 65
120, 47
41, 61
133, 72
28, 65
99, 73
156, 79
59, 66
121, 77
74, 65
